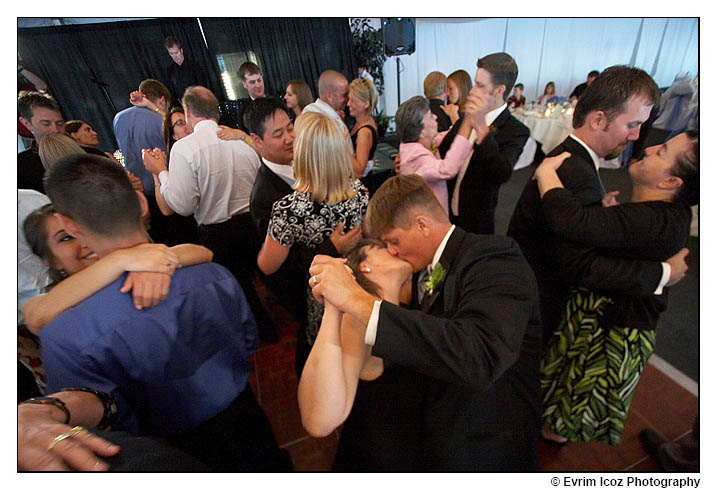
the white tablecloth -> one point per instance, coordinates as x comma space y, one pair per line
527, 156
549, 131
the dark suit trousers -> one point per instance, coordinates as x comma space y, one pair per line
173, 229
239, 439
235, 246
147, 454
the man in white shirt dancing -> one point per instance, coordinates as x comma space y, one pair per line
213, 179
333, 96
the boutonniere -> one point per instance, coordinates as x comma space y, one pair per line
437, 276
492, 129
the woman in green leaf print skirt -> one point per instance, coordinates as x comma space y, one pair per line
595, 357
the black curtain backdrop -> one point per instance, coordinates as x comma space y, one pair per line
287, 48
92, 68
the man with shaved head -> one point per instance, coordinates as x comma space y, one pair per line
213, 179
333, 95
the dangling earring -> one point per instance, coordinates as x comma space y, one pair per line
63, 273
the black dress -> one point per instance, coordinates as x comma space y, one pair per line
297, 219
460, 388
368, 180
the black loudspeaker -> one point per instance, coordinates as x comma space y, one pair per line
399, 35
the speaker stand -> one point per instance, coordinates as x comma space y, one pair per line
398, 85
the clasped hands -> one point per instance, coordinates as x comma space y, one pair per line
330, 278
155, 161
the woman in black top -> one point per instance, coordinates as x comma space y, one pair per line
595, 357
362, 101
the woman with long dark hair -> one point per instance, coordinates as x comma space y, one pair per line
296, 96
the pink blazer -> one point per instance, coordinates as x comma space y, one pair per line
417, 159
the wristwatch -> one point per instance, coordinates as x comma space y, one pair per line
50, 401
109, 405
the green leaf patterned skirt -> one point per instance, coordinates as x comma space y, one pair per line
591, 370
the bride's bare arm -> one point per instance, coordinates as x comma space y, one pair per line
331, 375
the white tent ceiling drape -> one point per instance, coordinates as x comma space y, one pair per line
562, 50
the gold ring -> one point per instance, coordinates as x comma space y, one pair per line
314, 280
68, 434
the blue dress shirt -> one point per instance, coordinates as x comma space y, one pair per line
171, 367
137, 128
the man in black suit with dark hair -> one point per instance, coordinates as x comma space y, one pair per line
608, 116
253, 82
272, 134
182, 72
462, 364
40, 114
474, 192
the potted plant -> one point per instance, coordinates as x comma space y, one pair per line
369, 48
382, 123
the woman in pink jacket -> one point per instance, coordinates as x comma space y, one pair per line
417, 129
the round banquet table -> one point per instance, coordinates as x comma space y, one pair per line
549, 131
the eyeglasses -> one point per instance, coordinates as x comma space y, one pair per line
179, 122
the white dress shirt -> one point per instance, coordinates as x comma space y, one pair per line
285, 172
373, 324
319, 106
33, 275
367, 76
209, 177
490, 118
594, 156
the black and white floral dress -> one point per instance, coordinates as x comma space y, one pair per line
296, 219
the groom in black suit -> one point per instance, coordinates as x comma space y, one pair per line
498, 144
462, 365
607, 117
272, 134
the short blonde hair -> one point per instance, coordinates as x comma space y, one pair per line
322, 165
56, 146
365, 91
434, 85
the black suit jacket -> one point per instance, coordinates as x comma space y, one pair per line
182, 76
578, 90
443, 121
289, 283
243, 103
559, 264
463, 368
491, 165
650, 230
30, 171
